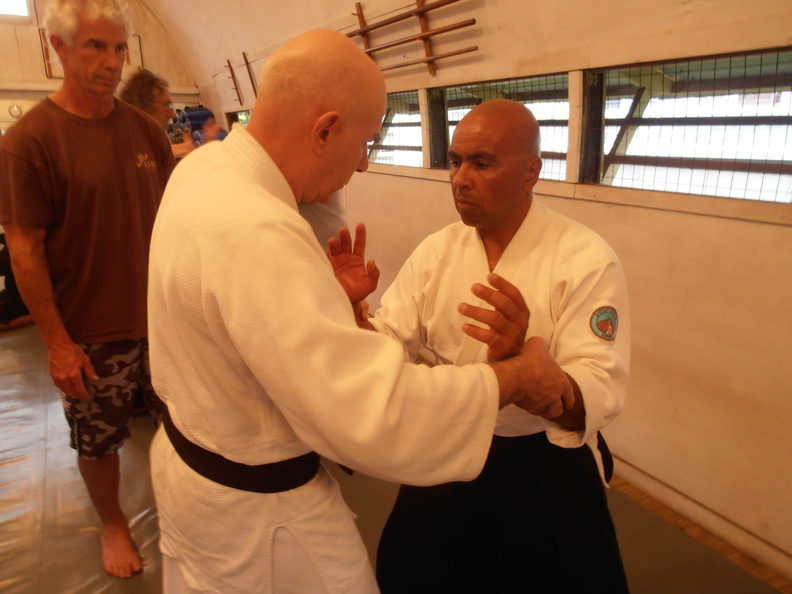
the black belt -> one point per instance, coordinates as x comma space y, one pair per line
264, 478
500, 443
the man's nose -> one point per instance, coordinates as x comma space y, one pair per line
364, 162
115, 59
460, 178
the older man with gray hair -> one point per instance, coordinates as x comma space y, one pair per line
83, 175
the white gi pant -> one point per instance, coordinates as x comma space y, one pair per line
298, 541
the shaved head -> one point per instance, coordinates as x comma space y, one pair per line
320, 70
318, 93
508, 120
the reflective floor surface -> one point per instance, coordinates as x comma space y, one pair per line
49, 532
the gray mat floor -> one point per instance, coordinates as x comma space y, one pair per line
49, 533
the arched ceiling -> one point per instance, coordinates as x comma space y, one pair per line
209, 32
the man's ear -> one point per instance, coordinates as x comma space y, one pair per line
532, 170
58, 45
325, 125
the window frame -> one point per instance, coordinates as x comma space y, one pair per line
578, 187
388, 125
8, 19
596, 162
440, 124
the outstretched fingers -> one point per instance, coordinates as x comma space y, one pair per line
360, 240
342, 243
373, 272
506, 325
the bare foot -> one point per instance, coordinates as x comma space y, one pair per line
119, 553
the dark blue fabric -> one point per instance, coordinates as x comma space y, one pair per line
535, 520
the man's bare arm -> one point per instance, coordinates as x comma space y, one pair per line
67, 362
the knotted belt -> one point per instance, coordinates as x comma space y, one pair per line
263, 478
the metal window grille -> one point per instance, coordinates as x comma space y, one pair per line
401, 140
719, 126
546, 96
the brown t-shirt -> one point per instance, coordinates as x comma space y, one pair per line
95, 186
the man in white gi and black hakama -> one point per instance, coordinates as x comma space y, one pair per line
536, 519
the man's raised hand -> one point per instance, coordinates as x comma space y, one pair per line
506, 325
358, 277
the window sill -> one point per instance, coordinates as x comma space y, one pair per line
710, 206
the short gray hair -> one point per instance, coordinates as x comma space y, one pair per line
61, 16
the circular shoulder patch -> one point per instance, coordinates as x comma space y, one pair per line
605, 322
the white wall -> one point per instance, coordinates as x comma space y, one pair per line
706, 426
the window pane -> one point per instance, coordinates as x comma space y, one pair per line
401, 140
546, 96
14, 8
718, 126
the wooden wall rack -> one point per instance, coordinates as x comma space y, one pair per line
425, 36
235, 83
250, 74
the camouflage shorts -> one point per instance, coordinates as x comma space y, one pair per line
100, 425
